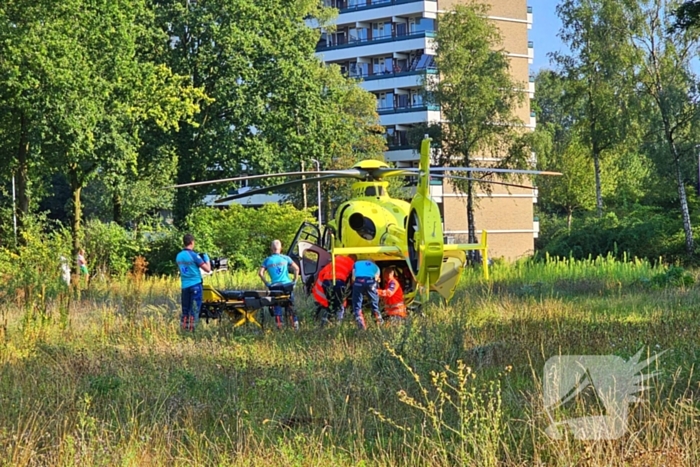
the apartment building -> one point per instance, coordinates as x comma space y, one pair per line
390, 46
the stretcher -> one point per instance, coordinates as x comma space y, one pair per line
241, 305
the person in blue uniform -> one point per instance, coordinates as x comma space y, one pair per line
277, 268
365, 279
189, 264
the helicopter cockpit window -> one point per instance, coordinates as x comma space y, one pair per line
374, 191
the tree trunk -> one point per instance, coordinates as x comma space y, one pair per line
685, 213
185, 198
329, 208
76, 188
471, 227
598, 187
569, 218
117, 207
22, 175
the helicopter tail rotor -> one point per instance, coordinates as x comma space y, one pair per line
424, 231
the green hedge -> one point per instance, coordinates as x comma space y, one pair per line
643, 233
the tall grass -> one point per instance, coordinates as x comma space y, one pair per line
111, 380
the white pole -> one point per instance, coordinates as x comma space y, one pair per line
303, 187
14, 208
318, 187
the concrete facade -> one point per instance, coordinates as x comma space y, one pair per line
389, 45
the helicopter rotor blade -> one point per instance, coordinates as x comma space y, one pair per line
413, 173
487, 170
515, 185
392, 172
349, 173
267, 189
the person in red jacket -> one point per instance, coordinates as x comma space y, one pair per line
392, 295
332, 297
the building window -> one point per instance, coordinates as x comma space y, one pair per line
390, 136
358, 34
418, 24
381, 65
363, 69
401, 65
402, 101
385, 101
396, 138
401, 29
381, 30
416, 98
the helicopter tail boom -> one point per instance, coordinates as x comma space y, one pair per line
481, 246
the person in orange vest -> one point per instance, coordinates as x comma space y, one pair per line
392, 295
332, 297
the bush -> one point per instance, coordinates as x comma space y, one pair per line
241, 234
644, 233
162, 249
674, 277
110, 248
244, 234
35, 267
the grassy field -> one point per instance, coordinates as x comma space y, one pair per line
110, 379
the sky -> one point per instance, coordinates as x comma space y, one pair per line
545, 27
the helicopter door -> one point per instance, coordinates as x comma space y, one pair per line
326, 243
313, 259
308, 233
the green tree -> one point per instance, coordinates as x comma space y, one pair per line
351, 133
667, 79
687, 15
599, 72
86, 69
25, 49
274, 103
559, 146
477, 95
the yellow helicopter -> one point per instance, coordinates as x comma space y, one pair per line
389, 231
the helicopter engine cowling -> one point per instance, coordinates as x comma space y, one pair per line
377, 222
364, 226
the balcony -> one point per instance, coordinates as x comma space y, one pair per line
394, 80
408, 115
338, 52
408, 108
379, 40
396, 74
348, 6
360, 11
407, 154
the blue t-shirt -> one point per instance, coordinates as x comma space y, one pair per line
188, 263
277, 267
366, 269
